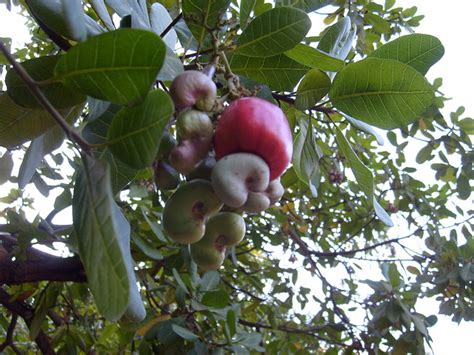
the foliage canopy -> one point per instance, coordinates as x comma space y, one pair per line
81, 119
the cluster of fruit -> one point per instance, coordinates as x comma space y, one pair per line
237, 163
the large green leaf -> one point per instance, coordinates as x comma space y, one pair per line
273, 32
306, 5
20, 124
201, 15
417, 50
98, 237
135, 132
41, 69
363, 176
337, 40
314, 58
118, 66
246, 7
381, 92
278, 72
314, 86
306, 156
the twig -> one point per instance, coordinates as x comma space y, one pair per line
33, 86
9, 338
170, 26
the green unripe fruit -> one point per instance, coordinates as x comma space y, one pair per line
194, 124
223, 230
188, 209
167, 143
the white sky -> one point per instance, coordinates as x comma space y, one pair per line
453, 26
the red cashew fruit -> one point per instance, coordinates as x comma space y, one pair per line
256, 126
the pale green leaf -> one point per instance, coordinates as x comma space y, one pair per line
314, 58
20, 124
365, 128
273, 32
306, 156
306, 5
98, 237
381, 92
135, 132
363, 176
314, 86
200, 14
246, 7
184, 333
419, 51
338, 38
6, 166
278, 72
118, 66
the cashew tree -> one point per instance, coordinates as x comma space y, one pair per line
213, 177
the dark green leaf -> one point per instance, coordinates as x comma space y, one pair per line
463, 187
201, 15
215, 299
425, 154
314, 58
19, 124
6, 166
135, 132
41, 69
118, 66
231, 320
314, 86
273, 32
96, 225
46, 301
279, 72
381, 92
419, 51
306, 5
184, 333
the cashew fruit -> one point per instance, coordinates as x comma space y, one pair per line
195, 131
237, 175
167, 143
193, 88
203, 170
223, 230
187, 210
256, 126
260, 201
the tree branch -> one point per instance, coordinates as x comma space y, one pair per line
170, 26
27, 314
33, 86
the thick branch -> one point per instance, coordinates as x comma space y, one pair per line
53, 269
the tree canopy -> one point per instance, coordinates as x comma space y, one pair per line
380, 179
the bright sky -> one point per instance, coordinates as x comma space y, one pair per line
453, 26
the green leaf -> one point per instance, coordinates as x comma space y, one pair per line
98, 238
419, 51
467, 125
118, 66
210, 280
314, 86
306, 5
38, 148
41, 69
203, 14
381, 92
150, 251
179, 280
273, 32
46, 301
425, 154
463, 187
20, 124
231, 320
379, 24
215, 299
337, 41
7, 42
279, 72
246, 7
6, 166
135, 132
306, 155
184, 333
363, 176
314, 58
366, 128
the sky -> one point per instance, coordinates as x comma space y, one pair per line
452, 24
